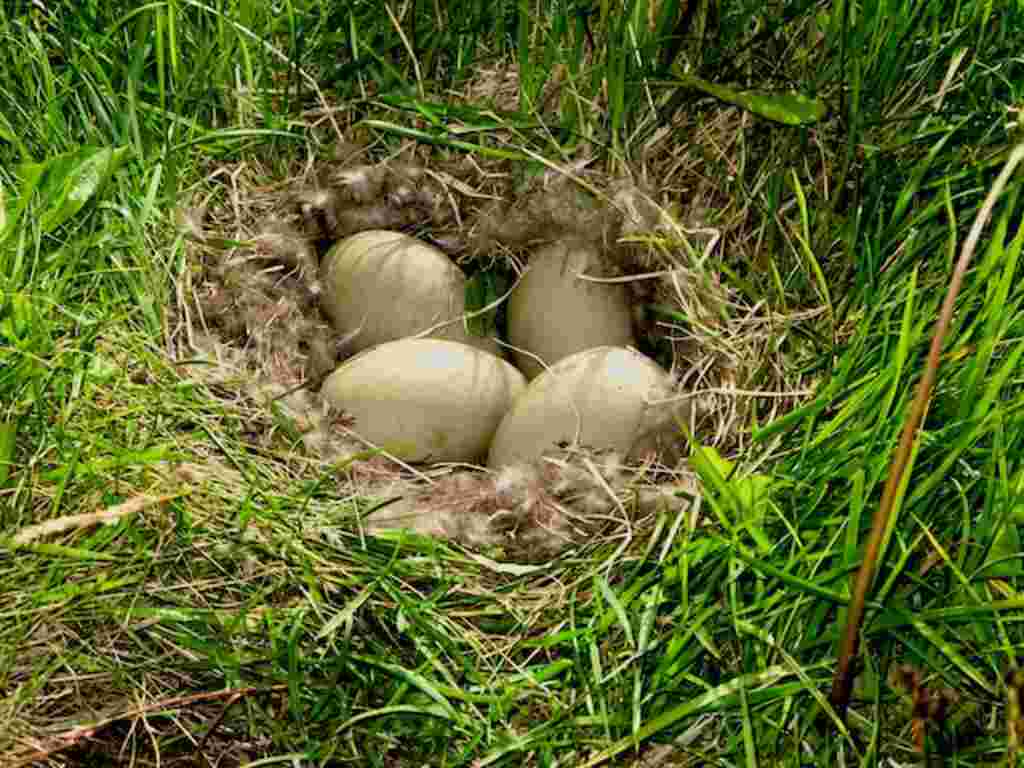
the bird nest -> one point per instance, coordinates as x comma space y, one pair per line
248, 309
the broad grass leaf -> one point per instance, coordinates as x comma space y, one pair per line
16, 319
744, 498
8, 432
482, 290
72, 179
780, 107
1004, 556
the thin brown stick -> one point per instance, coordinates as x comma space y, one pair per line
842, 683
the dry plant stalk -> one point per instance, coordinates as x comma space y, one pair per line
930, 706
1014, 713
87, 520
842, 683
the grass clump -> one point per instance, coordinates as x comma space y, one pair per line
231, 606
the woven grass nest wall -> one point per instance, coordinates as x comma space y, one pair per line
252, 323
